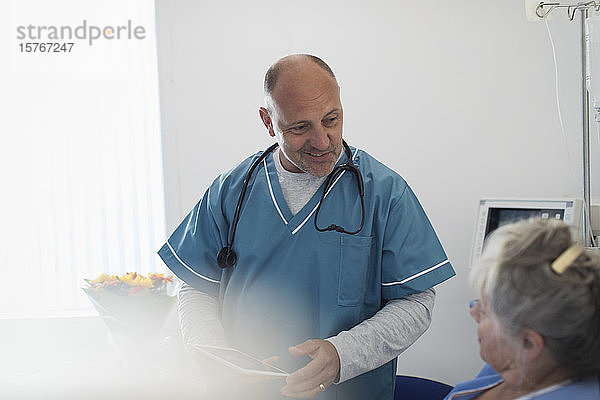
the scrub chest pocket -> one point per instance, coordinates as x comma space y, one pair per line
355, 259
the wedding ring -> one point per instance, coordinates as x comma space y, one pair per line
322, 387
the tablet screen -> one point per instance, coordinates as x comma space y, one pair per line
242, 362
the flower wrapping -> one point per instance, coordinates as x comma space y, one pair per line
132, 305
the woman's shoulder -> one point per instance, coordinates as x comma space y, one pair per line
586, 389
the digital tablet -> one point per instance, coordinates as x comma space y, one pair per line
240, 362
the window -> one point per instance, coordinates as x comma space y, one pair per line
81, 157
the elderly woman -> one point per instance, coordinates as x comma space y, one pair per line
538, 316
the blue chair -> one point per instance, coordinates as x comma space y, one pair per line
414, 388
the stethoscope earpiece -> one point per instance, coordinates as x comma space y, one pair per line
226, 257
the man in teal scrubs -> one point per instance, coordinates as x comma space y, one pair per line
335, 308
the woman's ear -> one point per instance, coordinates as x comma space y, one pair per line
532, 344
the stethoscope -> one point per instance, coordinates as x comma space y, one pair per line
227, 256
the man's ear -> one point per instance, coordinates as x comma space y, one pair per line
266, 119
532, 344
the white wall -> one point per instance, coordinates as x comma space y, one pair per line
458, 97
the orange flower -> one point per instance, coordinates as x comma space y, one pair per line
134, 279
104, 280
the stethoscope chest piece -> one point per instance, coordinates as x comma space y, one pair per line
226, 257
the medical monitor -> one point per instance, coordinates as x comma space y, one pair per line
494, 213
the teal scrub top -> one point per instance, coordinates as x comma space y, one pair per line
292, 283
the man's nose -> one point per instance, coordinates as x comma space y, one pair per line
320, 138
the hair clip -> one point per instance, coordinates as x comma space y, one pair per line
567, 257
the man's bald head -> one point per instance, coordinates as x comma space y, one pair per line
289, 62
303, 111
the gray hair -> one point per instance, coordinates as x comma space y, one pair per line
514, 274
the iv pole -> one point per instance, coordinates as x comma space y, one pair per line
542, 11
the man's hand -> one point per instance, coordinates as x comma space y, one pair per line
312, 379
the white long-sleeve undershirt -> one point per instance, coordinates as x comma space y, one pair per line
199, 318
385, 335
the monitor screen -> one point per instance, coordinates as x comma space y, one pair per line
493, 213
498, 216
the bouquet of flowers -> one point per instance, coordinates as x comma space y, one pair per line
133, 306
130, 283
